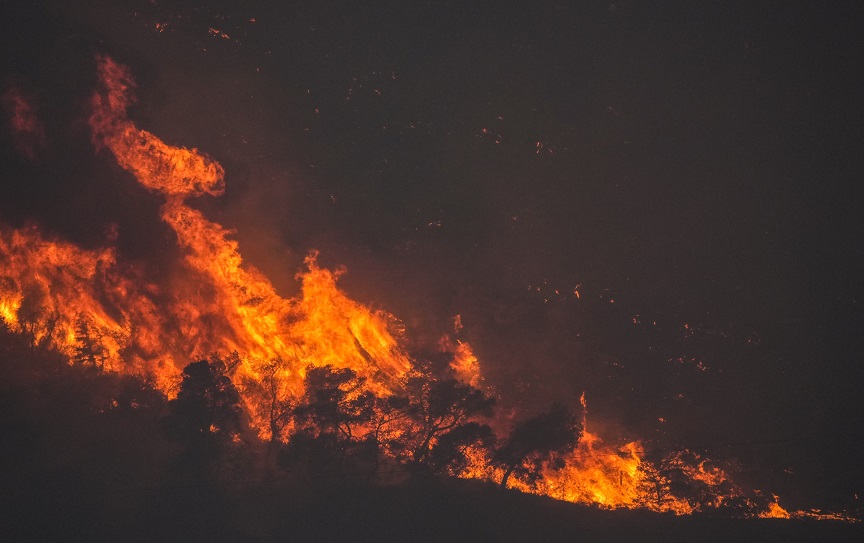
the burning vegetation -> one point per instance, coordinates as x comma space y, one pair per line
322, 382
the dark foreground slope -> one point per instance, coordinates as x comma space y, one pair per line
432, 511
470, 511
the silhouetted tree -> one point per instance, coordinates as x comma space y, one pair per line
654, 484
387, 425
206, 411
335, 402
332, 422
449, 454
31, 313
269, 398
88, 344
536, 439
37, 322
440, 408
379, 432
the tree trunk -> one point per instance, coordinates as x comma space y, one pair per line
507, 475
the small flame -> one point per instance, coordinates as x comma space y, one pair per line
465, 364
775, 510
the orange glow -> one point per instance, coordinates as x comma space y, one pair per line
242, 310
27, 129
65, 297
97, 311
612, 477
775, 510
156, 165
465, 364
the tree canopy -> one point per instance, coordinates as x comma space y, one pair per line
536, 439
206, 412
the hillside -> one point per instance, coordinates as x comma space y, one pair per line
85, 460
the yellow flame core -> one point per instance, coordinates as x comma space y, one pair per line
84, 304
465, 364
775, 510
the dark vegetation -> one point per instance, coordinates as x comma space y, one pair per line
95, 456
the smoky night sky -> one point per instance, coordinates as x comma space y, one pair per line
693, 170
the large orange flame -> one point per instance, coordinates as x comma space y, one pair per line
242, 310
86, 305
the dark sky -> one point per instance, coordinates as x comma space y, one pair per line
694, 169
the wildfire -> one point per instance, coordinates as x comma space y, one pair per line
88, 306
60, 295
246, 315
92, 308
775, 510
465, 363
